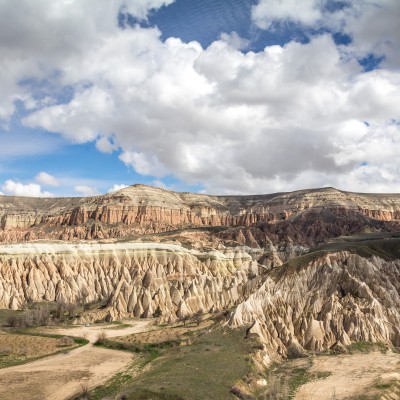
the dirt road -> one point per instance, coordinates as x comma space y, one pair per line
61, 376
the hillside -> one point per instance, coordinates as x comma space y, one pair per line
305, 217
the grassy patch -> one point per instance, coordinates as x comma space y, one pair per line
364, 397
366, 347
119, 326
110, 388
384, 386
384, 246
205, 369
285, 379
148, 348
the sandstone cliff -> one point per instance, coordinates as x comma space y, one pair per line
305, 217
195, 252
134, 279
331, 301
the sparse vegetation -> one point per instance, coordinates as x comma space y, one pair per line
285, 379
385, 245
22, 347
101, 338
187, 372
366, 347
198, 316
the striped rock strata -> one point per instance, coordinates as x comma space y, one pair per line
133, 278
306, 216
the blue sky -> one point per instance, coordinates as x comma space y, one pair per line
221, 96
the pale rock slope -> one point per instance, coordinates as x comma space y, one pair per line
331, 301
133, 278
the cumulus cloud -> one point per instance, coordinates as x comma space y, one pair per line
372, 25
48, 34
374, 28
287, 117
106, 144
235, 40
46, 179
86, 190
266, 12
116, 187
13, 188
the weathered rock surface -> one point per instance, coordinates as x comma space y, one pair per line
306, 217
334, 300
235, 252
135, 279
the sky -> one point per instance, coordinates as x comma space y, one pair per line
209, 96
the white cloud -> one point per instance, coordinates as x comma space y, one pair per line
159, 184
50, 33
235, 40
232, 121
284, 118
141, 8
13, 188
145, 164
307, 12
86, 190
375, 29
106, 144
372, 25
46, 179
116, 187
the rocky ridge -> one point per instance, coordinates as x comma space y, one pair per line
185, 252
133, 279
332, 301
305, 217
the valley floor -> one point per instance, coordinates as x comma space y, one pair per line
372, 375
61, 376
213, 359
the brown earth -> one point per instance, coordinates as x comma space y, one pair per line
61, 376
165, 333
20, 348
354, 375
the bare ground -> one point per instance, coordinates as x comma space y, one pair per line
352, 375
164, 334
61, 376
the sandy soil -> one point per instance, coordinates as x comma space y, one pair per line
61, 376
164, 334
351, 375
31, 346
91, 332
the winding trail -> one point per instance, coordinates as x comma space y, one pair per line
61, 376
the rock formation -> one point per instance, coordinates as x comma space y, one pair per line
331, 301
133, 279
306, 217
307, 270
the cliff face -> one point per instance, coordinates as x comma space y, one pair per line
332, 301
134, 279
239, 251
305, 216
294, 307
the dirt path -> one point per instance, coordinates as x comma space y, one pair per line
90, 332
61, 376
351, 375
